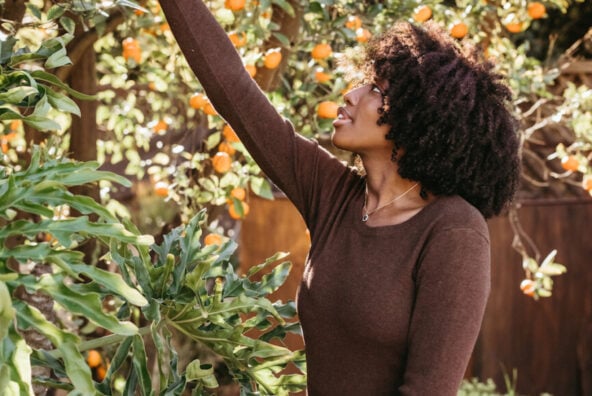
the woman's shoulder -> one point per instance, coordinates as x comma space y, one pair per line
455, 213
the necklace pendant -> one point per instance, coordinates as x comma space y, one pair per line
365, 217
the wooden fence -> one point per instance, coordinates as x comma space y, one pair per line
548, 342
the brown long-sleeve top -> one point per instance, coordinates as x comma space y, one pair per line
384, 310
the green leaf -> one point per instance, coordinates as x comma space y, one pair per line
140, 364
62, 102
88, 305
58, 59
283, 39
7, 312
17, 94
52, 79
7, 49
116, 363
261, 187
31, 317
68, 24
203, 373
55, 12
284, 5
42, 123
112, 282
77, 369
34, 10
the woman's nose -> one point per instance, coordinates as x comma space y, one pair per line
351, 98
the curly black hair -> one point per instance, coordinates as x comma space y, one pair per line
449, 113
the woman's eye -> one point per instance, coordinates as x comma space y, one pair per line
376, 88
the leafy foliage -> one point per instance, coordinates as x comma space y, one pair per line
158, 290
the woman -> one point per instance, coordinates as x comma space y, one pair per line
397, 277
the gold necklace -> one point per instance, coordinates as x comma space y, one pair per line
367, 214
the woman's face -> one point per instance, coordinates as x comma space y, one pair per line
356, 127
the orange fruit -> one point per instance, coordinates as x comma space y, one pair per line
321, 51
238, 193
327, 109
422, 14
528, 287
514, 27
15, 125
160, 126
363, 35
229, 134
536, 10
198, 101
252, 70
131, 49
221, 162
272, 58
570, 163
353, 22
225, 147
459, 30
213, 239
234, 5
234, 213
238, 40
93, 358
322, 77
101, 372
587, 183
161, 189
208, 108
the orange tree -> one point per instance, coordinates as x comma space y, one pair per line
152, 122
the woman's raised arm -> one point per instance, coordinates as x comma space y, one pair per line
283, 155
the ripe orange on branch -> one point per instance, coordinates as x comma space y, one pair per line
221, 162
160, 126
238, 193
229, 134
528, 287
363, 35
321, 51
234, 5
213, 239
198, 101
234, 212
459, 30
587, 183
536, 10
570, 163
161, 189
514, 27
131, 49
272, 58
327, 109
93, 358
422, 14
238, 39
353, 22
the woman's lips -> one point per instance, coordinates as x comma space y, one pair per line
343, 117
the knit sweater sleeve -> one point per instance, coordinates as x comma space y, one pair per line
286, 157
453, 283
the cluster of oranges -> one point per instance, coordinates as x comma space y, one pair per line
199, 101
96, 363
354, 23
459, 29
572, 163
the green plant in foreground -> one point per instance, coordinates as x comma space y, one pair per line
160, 291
